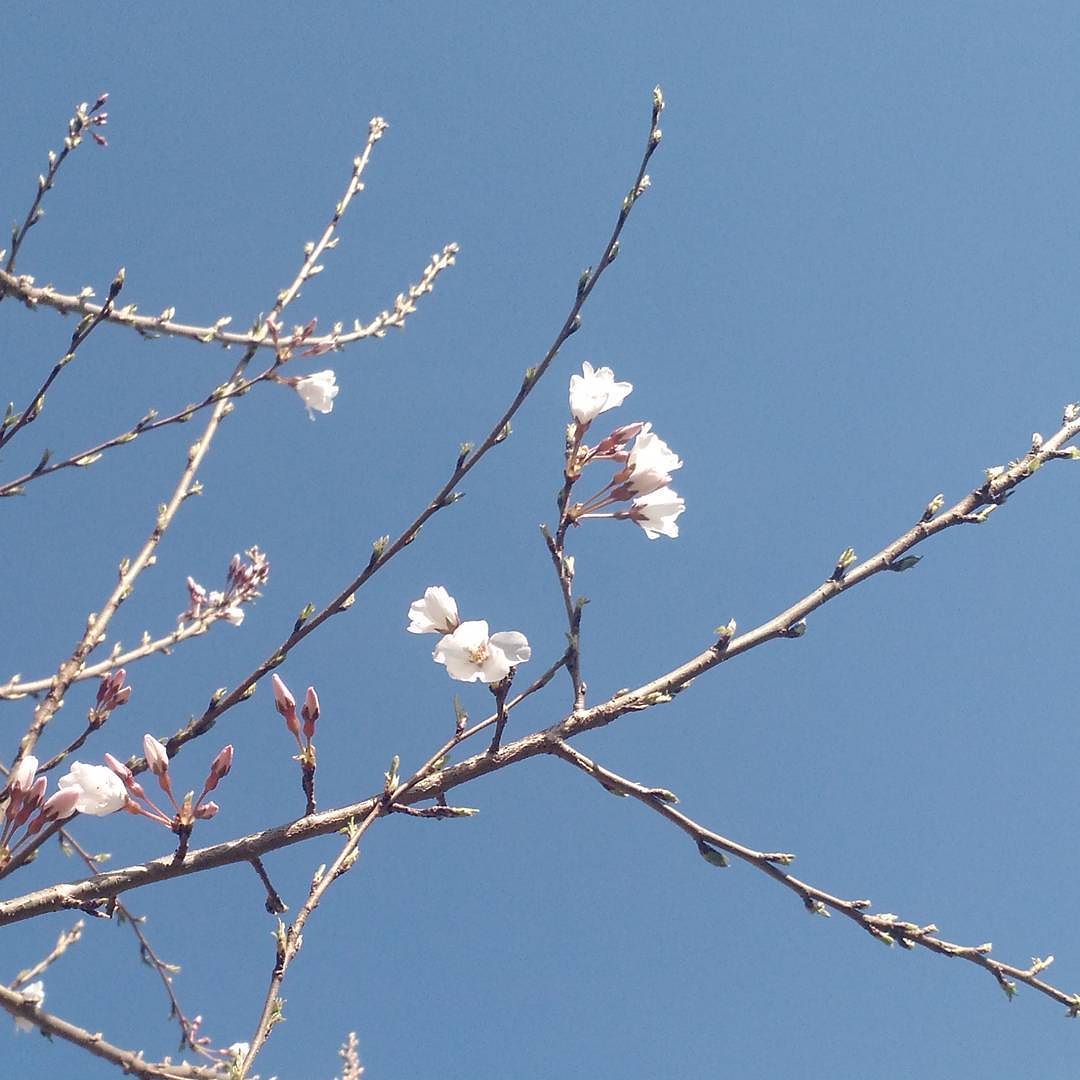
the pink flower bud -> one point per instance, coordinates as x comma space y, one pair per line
36, 795
23, 805
310, 711
58, 806
22, 777
618, 439
120, 769
219, 768
206, 810
157, 758
285, 704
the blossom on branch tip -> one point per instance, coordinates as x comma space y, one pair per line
317, 391
470, 655
595, 391
656, 512
100, 790
436, 612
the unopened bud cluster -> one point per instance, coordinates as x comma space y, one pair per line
244, 578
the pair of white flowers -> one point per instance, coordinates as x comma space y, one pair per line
466, 649
646, 476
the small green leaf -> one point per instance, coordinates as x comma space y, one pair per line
711, 855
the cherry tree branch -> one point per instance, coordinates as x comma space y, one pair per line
131, 569
64, 942
86, 118
102, 887
290, 939
22, 287
163, 969
130, 1061
12, 424
383, 549
887, 928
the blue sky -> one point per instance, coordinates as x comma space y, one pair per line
853, 284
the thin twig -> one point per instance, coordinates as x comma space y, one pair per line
23, 288
85, 118
130, 1061
66, 939
887, 928
290, 939
86, 326
164, 970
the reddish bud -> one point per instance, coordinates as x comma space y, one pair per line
219, 768
206, 810
285, 704
618, 439
310, 711
23, 805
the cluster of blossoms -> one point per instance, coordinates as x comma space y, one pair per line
466, 649
644, 479
99, 790
242, 584
111, 694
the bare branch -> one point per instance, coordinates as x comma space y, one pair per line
887, 928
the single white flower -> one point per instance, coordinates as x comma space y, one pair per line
594, 392
101, 790
318, 391
238, 1051
650, 464
35, 993
470, 654
656, 512
434, 613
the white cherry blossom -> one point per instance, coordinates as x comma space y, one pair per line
101, 790
595, 391
470, 655
436, 612
656, 512
318, 391
35, 993
650, 464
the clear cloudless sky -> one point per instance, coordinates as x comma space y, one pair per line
854, 283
